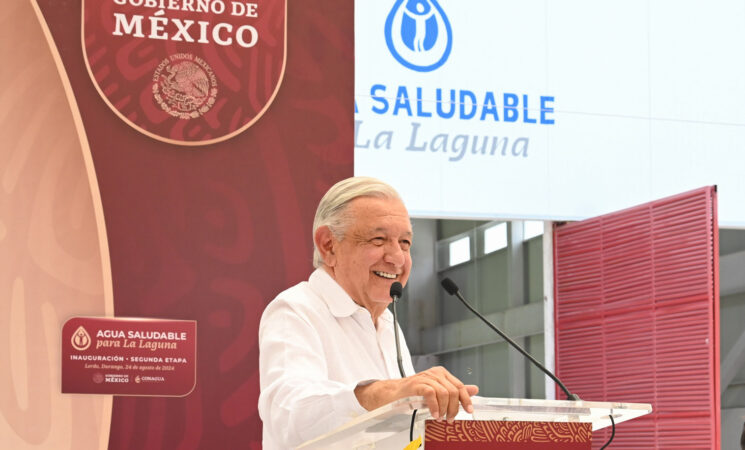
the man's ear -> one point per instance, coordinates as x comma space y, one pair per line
325, 242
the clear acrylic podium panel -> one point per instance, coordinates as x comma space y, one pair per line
388, 427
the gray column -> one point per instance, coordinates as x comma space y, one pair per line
423, 307
516, 293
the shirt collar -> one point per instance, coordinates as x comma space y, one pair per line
336, 298
338, 301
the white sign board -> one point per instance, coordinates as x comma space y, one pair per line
556, 110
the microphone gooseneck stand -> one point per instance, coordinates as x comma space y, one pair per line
452, 289
396, 292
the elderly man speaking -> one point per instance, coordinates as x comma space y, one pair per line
327, 345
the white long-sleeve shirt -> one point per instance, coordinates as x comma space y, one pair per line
316, 345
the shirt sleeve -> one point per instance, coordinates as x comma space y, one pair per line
298, 402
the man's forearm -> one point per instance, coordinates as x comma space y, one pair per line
378, 393
442, 392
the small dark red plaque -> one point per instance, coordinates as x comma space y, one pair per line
129, 356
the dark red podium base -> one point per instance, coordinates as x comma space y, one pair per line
483, 434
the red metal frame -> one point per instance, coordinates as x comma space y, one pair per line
640, 267
717, 356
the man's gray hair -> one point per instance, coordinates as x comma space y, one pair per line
332, 209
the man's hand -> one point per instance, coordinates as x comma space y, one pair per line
441, 391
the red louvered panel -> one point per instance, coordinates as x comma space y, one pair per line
636, 318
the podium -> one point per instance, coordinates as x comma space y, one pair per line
388, 426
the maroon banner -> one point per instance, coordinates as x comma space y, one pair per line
519, 435
186, 72
213, 233
126, 356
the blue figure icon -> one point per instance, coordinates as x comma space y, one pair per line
419, 24
418, 34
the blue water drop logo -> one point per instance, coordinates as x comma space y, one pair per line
418, 34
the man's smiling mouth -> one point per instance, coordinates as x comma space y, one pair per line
390, 276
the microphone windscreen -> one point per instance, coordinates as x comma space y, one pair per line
449, 286
396, 290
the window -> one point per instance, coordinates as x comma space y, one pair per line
532, 228
495, 237
460, 251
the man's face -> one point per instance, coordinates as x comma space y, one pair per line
375, 251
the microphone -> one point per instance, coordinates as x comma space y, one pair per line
452, 289
395, 293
